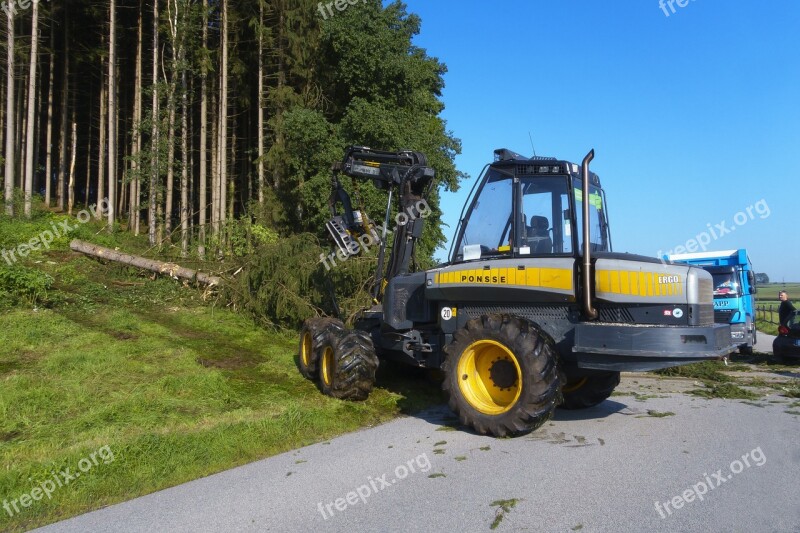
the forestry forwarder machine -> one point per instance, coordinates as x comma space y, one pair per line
532, 311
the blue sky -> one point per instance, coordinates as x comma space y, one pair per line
695, 116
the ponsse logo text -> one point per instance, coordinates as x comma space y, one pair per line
483, 279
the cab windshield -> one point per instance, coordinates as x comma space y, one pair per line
726, 285
532, 217
487, 229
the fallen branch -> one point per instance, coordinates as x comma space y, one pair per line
159, 267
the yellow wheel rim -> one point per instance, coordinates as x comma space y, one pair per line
305, 350
327, 365
489, 377
572, 387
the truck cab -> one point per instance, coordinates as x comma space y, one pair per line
734, 291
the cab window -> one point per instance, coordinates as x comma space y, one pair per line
488, 228
544, 229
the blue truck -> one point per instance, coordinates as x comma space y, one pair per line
734, 291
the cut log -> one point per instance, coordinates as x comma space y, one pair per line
159, 267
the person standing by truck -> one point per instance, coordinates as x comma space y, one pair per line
786, 309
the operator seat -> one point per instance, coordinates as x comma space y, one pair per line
539, 236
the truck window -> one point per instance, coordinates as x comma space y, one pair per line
726, 285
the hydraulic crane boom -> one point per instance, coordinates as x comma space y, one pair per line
404, 173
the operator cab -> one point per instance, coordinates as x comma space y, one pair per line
530, 207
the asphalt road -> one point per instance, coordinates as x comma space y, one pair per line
602, 469
764, 343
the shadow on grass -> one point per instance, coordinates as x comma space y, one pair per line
420, 389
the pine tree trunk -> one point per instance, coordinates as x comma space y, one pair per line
37, 144
112, 115
154, 139
184, 208
22, 133
277, 176
2, 120
261, 105
201, 247
185, 168
89, 135
10, 129
192, 181
136, 182
101, 157
170, 163
122, 167
71, 199
223, 120
172, 11
192, 162
159, 267
62, 158
30, 164
231, 194
214, 165
48, 185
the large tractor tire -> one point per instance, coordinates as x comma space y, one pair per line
312, 335
501, 374
347, 365
589, 390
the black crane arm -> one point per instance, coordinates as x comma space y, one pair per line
405, 172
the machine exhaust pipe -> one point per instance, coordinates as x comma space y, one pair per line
588, 297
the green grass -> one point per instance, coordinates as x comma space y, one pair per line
791, 392
177, 386
706, 371
764, 326
769, 293
726, 391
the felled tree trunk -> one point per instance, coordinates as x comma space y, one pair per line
159, 267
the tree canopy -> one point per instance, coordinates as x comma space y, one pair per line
323, 80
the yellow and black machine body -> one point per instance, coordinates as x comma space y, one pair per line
534, 309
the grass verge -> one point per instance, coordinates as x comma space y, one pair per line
172, 387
